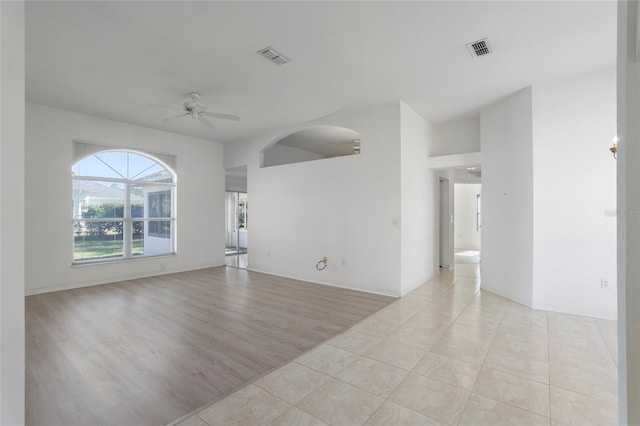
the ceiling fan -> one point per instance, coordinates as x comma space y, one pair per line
197, 111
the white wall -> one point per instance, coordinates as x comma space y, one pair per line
458, 136
49, 154
346, 208
575, 194
418, 200
282, 154
507, 197
548, 235
465, 198
236, 183
12, 167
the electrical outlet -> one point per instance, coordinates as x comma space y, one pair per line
604, 283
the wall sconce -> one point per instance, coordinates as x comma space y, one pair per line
614, 148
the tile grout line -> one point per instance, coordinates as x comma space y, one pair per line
471, 393
386, 399
459, 419
575, 366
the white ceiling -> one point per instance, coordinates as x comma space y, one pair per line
110, 58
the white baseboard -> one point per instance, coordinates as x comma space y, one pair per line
576, 311
42, 290
381, 292
555, 308
418, 284
524, 302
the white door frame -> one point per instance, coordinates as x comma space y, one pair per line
444, 223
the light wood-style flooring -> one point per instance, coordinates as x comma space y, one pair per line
148, 351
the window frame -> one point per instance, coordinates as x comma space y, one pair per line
127, 220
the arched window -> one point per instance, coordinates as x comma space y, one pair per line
123, 207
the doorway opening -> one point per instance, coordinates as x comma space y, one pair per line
467, 223
444, 224
237, 226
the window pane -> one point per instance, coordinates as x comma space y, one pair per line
138, 239
159, 228
94, 165
97, 240
137, 201
156, 238
243, 217
155, 173
116, 160
139, 165
158, 202
122, 165
93, 199
143, 168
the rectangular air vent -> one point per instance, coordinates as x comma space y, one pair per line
479, 48
272, 55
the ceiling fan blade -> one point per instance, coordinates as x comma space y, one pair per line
184, 114
206, 122
224, 116
164, 106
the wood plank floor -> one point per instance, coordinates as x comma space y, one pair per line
148, 351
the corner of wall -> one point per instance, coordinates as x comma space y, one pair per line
12, 215
418, 190
507, 191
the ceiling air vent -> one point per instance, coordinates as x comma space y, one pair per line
479, 48
272, 55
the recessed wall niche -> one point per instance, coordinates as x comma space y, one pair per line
312, 143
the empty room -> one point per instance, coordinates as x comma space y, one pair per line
283, 213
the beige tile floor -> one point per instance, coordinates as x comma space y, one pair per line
447, 353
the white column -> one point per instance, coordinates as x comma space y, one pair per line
12, 176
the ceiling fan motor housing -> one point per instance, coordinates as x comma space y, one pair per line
190, 106
193, 106
197, 111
